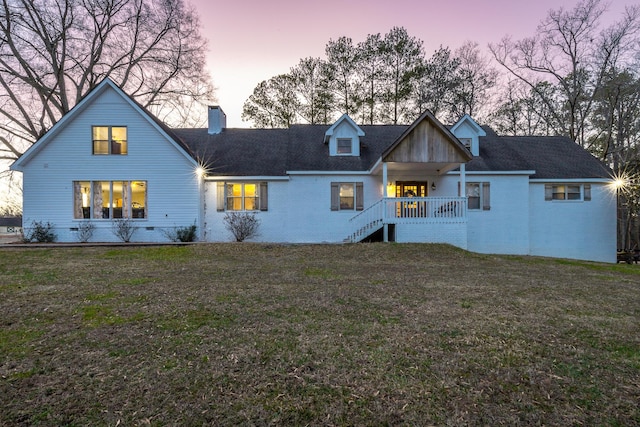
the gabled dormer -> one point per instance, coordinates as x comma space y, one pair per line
469, 133
343, 137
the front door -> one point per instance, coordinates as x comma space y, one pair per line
411, 189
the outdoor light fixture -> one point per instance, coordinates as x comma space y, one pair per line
433, 186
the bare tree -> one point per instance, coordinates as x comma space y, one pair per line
53, 52
616, 116
476, 79
570, 53
521, 111
10, 209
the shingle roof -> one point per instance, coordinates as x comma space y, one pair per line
551, 157
273, 152
239, 152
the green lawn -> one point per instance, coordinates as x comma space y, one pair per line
366, 334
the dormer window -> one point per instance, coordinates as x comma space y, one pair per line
344, 146
343, 137
466, 142
468, 133
109, 140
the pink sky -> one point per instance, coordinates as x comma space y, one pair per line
253, 40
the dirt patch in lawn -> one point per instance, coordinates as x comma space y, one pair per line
366, 334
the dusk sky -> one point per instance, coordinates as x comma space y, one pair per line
253, 40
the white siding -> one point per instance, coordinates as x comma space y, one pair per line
299, 210
172, 187
574, 229
504, 228
450, 233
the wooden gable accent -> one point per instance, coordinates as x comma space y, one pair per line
427, 141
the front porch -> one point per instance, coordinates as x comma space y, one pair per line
429, 206
414, 219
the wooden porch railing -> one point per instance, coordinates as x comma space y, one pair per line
407, 210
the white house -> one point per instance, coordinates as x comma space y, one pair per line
465, 185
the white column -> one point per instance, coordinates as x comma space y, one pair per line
384, 179
385, 226
463, 180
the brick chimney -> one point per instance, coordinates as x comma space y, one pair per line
217, 120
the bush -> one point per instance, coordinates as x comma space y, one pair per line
40, 232
242, 225
123, 229
85, 231
181, 234
186, 234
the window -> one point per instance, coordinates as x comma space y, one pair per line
347, 196
566, 192
242, 196
478, 196
344, 146
109, 199
109, 140
466, 142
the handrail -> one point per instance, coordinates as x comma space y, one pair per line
399, 210
366, 221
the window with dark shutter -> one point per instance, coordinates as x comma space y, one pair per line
220, 196
242, 196
486, 194
548, 192
562, 192
264, 199
335, 196
347, 196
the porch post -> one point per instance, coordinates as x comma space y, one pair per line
385, 226
384, 179
463, 180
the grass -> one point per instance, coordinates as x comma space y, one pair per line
367, 334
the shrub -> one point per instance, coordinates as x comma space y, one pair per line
242, 225
123, 229
181, 234
40, 232
85, 231
186, 234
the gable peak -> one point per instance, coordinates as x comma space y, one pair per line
468, 120
343, 119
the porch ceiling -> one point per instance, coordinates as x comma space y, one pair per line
430, 168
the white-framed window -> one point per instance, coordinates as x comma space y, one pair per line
109, 199
478, 196
567, 192
466, 142
242, 196
347, 196
344, 146
109, 140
